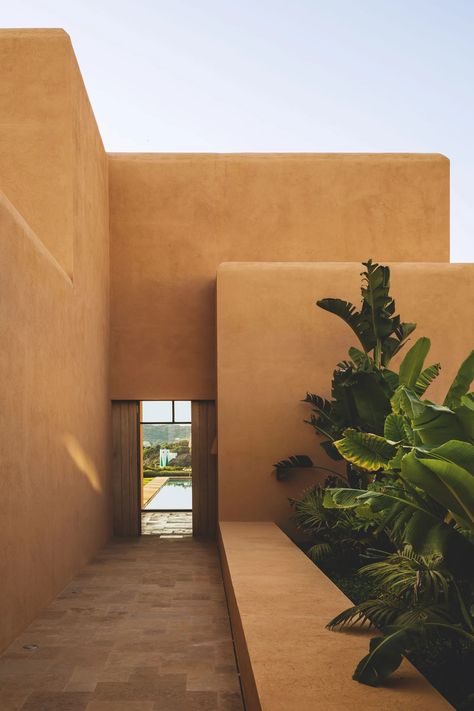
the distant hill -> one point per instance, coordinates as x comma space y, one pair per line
161, 434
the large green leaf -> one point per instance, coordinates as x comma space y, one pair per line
371, 402
412, 365
459, 485
433, 424
461, 383
384, 657
443, 480
411, 520
405, 402
385, 653
436, 424
465, 415
394, 428
368, 451
461, 453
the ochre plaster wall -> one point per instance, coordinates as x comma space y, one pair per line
37, 138
175, 218
54, 363
274, 345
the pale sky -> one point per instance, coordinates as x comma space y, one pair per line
268, 75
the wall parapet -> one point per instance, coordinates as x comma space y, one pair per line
280, 603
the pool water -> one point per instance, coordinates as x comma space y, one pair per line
175, 495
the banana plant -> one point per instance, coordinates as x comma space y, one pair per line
378, 329
363, 385
425, 458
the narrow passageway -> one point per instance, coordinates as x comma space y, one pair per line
144, 627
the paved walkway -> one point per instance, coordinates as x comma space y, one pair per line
143, 628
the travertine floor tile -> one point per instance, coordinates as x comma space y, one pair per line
143, 628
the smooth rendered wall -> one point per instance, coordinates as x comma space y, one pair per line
37, 150
175, 218
274, 345
55, 416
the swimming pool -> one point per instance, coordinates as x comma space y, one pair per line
174, 495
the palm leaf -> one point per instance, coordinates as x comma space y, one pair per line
321, 406
319, 551
409, 575
422, 614
426, 377
296, 461
374, 613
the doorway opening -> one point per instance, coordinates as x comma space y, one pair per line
166, 468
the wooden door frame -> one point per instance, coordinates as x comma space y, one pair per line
126, 467
204, 468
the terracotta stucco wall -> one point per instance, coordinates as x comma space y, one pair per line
37, 147
54, 322
175, 218
274, 345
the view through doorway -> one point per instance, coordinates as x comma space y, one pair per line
166, 468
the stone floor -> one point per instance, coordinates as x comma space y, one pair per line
144, 627
168, 524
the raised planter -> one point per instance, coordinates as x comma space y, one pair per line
279, 604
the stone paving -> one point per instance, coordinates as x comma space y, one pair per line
144, 627
168, 524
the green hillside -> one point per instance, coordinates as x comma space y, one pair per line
161, 434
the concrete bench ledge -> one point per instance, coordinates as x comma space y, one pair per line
280, 603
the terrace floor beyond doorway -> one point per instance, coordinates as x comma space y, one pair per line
167, 524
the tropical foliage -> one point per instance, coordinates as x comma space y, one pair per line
424, 462
363, 385
414, 493
340, 534
415, 596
